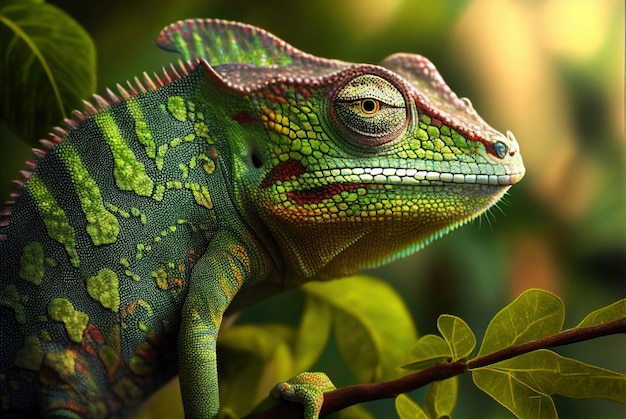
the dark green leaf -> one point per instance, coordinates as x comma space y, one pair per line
533, 314
47, 65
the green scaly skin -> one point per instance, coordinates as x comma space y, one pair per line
253, 168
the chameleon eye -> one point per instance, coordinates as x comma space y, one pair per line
501, 149
370, 109
370, 106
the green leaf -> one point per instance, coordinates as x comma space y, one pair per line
458, 335
373, 327
252, 359
614, 311
313, 332
551, 373
428, 350
516, 396
47, 66
408, 409
525, 383
441, 398
354, 412
532, 315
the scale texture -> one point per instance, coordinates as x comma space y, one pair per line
249, 168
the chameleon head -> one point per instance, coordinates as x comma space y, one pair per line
344, 166
367, 164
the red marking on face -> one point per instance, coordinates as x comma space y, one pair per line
243, 118
316, 195
287, 170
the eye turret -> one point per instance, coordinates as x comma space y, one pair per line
370, 110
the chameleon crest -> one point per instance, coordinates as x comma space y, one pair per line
251, 168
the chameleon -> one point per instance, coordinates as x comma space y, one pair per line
247, 168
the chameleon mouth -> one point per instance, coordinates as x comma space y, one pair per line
377, 178
291, 170
392, 176
319, 185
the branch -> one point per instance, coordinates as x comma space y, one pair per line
360, 393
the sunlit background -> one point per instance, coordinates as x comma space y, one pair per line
550, 71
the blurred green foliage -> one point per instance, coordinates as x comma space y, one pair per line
550, 71
41, 83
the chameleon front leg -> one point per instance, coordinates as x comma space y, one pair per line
215, 279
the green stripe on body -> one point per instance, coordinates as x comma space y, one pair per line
141, 127
54, 217
130, 173
102, 226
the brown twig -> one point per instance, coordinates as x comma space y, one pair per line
360, 393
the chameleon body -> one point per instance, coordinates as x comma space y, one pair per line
250, 168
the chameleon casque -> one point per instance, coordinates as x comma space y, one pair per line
249, 168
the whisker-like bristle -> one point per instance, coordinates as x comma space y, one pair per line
159, 82
78, 115
133, 91
166, 75
39, 152
90, 110
47, 144
122, 91
70, 123
148, 81
174, 72
113, 98
60, 131
183, 67
101, 102
139, 85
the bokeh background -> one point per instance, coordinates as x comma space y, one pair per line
550, 71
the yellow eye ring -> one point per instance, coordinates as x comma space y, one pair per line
369, 106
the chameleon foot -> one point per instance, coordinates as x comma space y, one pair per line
308, 389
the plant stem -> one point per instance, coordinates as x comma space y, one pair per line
360, 393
